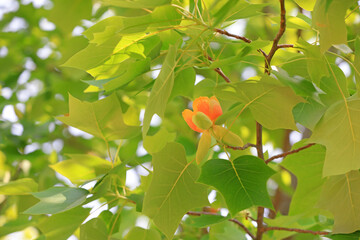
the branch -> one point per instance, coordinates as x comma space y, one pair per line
224, 32
288, 153
219, 71
276, 40
296, 230
231, 220
241, 148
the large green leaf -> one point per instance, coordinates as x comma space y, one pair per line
307, 166
138, 233
95, 229
81, 167
330, 21
21, 186
161, 90
242, 181
62, 225
341, 196
173, 190
103, 118
57, 199
270, 104
339, 132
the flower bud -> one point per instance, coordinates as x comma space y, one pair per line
203, 147
226, 136
202, 121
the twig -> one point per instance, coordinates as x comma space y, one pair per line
241, 148
242, 226
288, 153
296, 230
224, 32
276, 40
285, 46
219, 71
231, 220
260, 153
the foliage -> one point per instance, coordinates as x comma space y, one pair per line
98, 139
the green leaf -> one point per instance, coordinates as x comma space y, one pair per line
184, 83
161, 90
103, 118
93, 55
339, 132
351, 236
307, 166
63, 225
155, 143
138, 233
81, 167
94, 229
340, 195
136, 3
309, 113
330, 21
21, 186
271, 105
173, 190
242, 181
57, 199
205, 220
308, 5
66, 14
226, 230
315, 60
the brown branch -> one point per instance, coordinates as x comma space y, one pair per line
285, 46
260, 153
219, 71
276, 40
288, 153
241, 148
231, 220
242, 226
224, 32
296, 230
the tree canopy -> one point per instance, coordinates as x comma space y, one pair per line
179, 119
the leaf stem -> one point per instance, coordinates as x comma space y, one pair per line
241, 148
288, 153
219, 71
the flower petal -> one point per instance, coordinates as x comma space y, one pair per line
187, 115
202, 104
214, 109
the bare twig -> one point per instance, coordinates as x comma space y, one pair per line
219, 71
241, 148
226, 33
296, 230
288, 153
231, 220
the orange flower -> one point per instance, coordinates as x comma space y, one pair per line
208, 106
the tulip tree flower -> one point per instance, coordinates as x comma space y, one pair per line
202, 119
